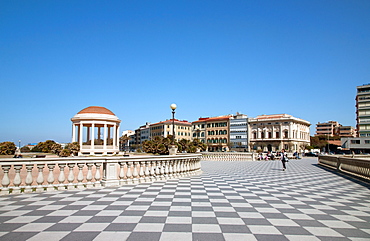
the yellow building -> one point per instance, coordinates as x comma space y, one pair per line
164, 129
217, 132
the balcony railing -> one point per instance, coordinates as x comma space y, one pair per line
357, 166
50, 174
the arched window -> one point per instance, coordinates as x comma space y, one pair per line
254, 135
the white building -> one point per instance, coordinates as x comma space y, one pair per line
281, 131
239, 137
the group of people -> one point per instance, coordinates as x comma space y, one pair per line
283, 157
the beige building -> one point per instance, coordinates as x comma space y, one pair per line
164, 129
326, 128
276, 132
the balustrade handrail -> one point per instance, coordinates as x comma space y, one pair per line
48, 174
359, 167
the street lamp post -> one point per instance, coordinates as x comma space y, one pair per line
173, 107
173, 148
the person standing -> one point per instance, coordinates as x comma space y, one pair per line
283, 158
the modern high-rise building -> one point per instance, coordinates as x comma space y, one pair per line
239, 138
363, 110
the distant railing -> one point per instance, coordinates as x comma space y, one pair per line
226, 156
357, 166
49, 174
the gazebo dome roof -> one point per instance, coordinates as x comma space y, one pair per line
96, 110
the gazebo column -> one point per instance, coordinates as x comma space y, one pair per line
92, 147
80, 137
117, 139
105, 138
73, 132
114, 135
88, 135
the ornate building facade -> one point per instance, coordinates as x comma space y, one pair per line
276, 132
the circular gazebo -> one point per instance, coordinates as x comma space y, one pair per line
96, 129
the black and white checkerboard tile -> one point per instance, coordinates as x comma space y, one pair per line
229, 201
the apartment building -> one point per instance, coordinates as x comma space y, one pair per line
217, 133
239, 138
199, 129
333, 128
183, 129
363, 110
326, 128
276, 132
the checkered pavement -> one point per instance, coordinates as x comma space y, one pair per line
229, 201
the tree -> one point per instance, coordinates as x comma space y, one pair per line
65, 153
7, 148
73, 147
46, 146
123, 140
56, 148
25, 149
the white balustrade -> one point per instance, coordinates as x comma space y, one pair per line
28, 175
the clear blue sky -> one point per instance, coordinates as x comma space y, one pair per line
303, 58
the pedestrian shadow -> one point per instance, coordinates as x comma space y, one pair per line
361, 181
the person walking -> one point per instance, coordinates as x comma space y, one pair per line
283, 158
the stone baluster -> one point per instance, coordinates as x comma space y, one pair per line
174, 168
40, 178
170, 169
121, 172
152, 171
158, 170
166, 169
71, 176
135, 174
17, 179
181, 169
6, 181
163, 172
147, 172
80, 176
89, 175
141, 171
51, 178
62, 177
97, 174
29, 179
129, 173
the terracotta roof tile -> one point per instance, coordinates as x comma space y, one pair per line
96, 110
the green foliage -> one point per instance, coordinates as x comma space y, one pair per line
25, 149
319, 141
7, 148
160, 145
73, 147
65, 153
46, 146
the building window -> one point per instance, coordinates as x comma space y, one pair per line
367, 141
270, 135
355, 141
277, 134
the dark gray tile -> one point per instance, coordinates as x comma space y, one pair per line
120, 227
179, 214
38, 213
256, 221
227, 214
86, 213
63, 227
148, 219
204, 220
200, 208
7, 227
288, 230
17, 236
132, 213
234, 228
177, 228
309, 223
208, 237
81, 236
270, 237
138, 236
49, 219
101, 219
